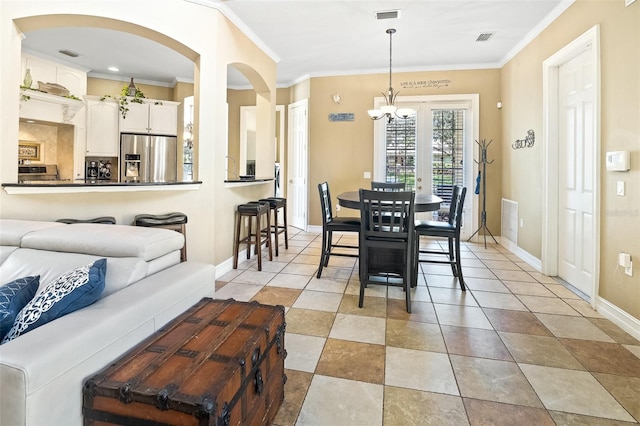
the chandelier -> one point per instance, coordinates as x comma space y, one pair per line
390, 111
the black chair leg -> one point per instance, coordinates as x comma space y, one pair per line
459, 266
452, 258
323, 254
328, 248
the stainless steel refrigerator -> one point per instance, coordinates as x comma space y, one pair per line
148, 158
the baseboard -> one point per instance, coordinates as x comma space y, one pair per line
530, 259
608, 310
621, 318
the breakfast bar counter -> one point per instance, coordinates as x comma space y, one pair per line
83, 186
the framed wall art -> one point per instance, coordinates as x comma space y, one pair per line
29, 151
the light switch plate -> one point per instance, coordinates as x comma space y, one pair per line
628, 2
367, 175
620, 188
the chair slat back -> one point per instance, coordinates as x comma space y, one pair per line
456, 218
388, 186
385, 214
325, 202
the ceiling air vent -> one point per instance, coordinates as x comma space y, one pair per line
388, 14
69, 53
484, 36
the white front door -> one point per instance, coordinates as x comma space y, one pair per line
297, 203
576, 183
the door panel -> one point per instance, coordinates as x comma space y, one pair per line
298, 164
576, 192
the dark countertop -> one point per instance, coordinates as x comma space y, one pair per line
248, 180
83, 182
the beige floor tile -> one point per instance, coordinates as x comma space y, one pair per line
498, 414
352, 360
583, 308
229, 276
516, 322
371, 306
289, 281
539, 350
300, 269
547, 305
353, 288
445, 281
327, 284
309, 322
493, 380
523, 265
277, 296
573, 327
633, 349
337, 273
542, 278
307, 257
475, 342
604, 357
418, 294
501, 264
403, 407
513, 275
477, 273
294, 390
254, 277
414, 335
484, 284
268, 265
462, 316
615, 332
570, 419
490, 255
528, 288
318, 300
240, 292
435, 269
574, 392
626, 390
498, 300
561, 291
452, 296
359, 329
419, 370
331, 401
303, 352
420, 311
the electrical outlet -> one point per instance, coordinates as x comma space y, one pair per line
624, 260
367, 175
338, 208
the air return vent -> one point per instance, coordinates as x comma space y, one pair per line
485, 36
69, 53
388, 14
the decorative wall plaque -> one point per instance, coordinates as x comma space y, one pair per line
342, 116
421, 84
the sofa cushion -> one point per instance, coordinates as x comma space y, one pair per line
13, 230
106, 240
13, 297
74, 290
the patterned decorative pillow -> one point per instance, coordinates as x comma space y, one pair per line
72, 291
13, 297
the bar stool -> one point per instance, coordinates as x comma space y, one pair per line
275, 204
252, 210
108, 220
176, 221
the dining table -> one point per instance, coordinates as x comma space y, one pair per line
423, 203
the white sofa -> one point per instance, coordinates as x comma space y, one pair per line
42, 371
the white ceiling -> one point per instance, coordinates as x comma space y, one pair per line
325, 37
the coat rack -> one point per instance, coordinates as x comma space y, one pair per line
482, 176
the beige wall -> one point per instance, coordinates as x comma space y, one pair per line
521, 83
340, 152
212, 43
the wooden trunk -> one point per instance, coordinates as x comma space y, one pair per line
219, 363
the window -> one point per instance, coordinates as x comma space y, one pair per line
447, 154
400, 147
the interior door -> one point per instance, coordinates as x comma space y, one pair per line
576, 175
298, 165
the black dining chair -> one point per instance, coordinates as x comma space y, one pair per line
387, 186
386, 240
449, 230
332, 224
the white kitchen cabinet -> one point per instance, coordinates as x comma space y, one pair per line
152, 116
50, 72
103, 138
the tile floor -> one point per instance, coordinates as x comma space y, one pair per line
517, 348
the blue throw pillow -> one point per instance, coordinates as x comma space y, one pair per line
72, 291
13, 297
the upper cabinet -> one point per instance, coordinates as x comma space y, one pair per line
151, 116
102, 127
50, 72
